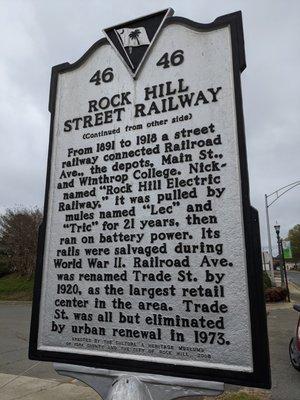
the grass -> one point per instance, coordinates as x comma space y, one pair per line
240, 396
245, 394
14, 287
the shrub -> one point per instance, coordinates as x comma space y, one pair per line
4, 266
275, 294
266, 280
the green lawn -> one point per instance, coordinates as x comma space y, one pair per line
240, 396
14, 287
245, 394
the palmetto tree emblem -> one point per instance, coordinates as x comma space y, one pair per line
140, 32
134, 35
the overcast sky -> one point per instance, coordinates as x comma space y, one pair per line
37, 34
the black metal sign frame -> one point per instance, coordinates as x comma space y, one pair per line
260, 377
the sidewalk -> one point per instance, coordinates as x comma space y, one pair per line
28, 388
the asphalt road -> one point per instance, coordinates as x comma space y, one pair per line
294, 276
14, 335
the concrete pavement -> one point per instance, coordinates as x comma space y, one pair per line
282, 321
28, 388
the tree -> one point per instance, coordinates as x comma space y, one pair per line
18, 236
134, 35
294, 237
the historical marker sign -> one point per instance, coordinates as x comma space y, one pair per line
149, 254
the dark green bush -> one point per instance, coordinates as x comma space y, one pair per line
266, 280
4, 266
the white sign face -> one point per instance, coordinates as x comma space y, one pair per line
144, 254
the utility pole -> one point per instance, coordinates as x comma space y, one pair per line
269, 242
285, 274
277, 230
277, 194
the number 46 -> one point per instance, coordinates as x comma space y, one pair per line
176, 58
105, 76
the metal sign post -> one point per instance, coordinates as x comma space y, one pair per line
121, 385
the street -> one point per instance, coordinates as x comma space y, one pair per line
14, 334
294, 276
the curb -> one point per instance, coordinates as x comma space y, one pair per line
296, 287
16, 302
279, 306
